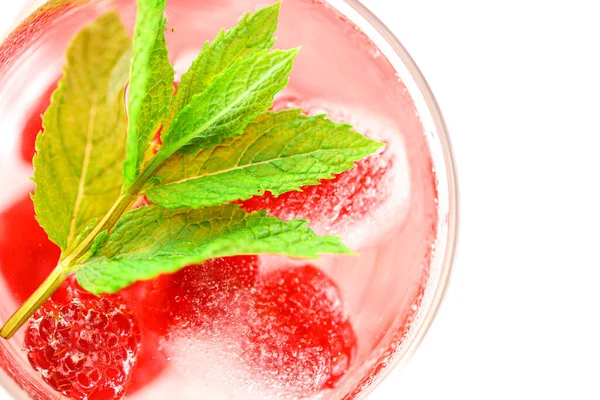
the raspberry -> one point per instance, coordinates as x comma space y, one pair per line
349, 197
200, 296
151, 361
27, 256
84, 347
338, 202
299, 334
33, 126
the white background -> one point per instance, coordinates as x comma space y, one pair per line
519, 84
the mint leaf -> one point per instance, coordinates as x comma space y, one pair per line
252, 34
278, 152
93, 164
229, 103
80, 154
152, 240
158, 97
150, 87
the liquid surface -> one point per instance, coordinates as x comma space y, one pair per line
239, 338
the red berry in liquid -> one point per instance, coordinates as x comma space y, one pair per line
349, 197
85, 347
151, 361
201, 297
27, 256
299, 334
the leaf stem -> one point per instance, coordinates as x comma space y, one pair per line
68, 263
109, 220
42, 293
65, 267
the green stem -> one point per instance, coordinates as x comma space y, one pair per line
109, 220
68, 262
42, 293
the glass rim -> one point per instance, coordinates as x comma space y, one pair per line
419, 330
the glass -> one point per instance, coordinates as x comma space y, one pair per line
393, 290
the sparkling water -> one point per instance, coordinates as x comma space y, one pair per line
392, 225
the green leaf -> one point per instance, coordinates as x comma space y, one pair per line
252, 34
229, 103
151, 85
80, 154
152, 240
278, 152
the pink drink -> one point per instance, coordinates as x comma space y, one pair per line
397, 210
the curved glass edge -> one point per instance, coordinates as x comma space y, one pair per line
26, 13
11, 387
31, 8
424, 99
439, 142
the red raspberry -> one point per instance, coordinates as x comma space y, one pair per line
299, 334
85, 347
151, 361
27, 256
347, 198
201, 296
33, 126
